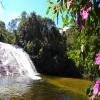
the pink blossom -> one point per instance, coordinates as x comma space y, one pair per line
84, 14
97, 55
96, 87
69, 4
85, 11
89, 7
97, 59
97, 62
98, 93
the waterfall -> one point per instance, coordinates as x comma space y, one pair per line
15, 61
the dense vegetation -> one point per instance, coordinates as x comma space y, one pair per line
41, 39
83, 39
70, 53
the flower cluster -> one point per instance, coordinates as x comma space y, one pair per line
84, 12
97, 59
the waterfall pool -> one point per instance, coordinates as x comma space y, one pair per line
19, 80
44, 89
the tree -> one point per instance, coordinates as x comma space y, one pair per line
13, 24
2, 25
41, 39
3, 32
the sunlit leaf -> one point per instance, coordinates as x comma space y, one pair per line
48, 10
48, 0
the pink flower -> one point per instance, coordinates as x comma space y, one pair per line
84, 14
85, 11
97, 59
89, 7
69, 4
95, 88
97, 55
97, 62
98, 93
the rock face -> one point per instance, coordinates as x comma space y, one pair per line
15, 62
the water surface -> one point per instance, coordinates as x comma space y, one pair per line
26, 89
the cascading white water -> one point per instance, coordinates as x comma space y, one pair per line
16, 62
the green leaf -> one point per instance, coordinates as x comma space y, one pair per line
58, 0
57, 17
48, 0
64, 21
64, 8
72, 21
48, 10
67, 17
51, 2
54, 17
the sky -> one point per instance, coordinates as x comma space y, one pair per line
13, 9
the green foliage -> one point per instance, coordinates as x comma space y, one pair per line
84, 59
4, 34
2, 25
83, 34
89, 90
48, 10
48, 48
72, 12
12, 25
42, 40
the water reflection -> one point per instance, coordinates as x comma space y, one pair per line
25, 89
